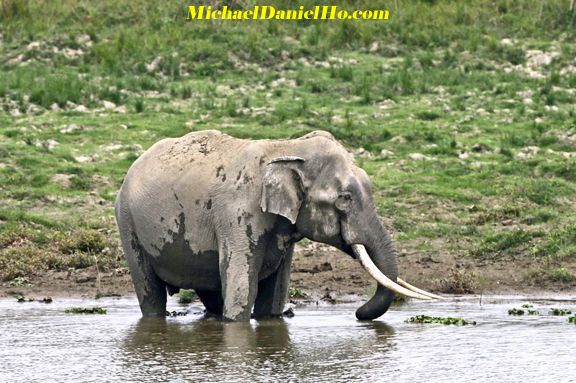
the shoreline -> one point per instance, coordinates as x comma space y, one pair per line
319, 274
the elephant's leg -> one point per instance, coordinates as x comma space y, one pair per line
273, 291
239, 281
150, 290
212, 300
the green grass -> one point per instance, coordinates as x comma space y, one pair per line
450, 80
186, 296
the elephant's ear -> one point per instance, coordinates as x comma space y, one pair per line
282, 191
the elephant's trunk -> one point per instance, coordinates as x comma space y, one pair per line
382, 253
379, 258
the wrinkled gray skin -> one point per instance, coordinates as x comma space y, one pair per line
221, 215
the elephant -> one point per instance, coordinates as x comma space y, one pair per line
221, 215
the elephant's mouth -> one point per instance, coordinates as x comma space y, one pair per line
399, 287
347, 248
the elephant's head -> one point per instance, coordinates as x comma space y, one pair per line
329, 199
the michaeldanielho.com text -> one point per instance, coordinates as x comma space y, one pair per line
269, 12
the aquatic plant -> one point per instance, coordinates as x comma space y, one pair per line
22, 298
85, 310
559, 312
515, 311
572, 319
529, 310
176, 313
425, 319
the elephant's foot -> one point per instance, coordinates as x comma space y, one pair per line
211, 316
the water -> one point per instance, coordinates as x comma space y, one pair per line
39, 342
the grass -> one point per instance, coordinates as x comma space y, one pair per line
454, 81
186, 296
296, 293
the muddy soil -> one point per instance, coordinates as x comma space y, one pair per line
319, 272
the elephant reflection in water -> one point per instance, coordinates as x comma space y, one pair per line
209, 350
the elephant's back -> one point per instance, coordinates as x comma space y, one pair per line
173, 182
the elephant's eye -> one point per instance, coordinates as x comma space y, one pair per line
343, 201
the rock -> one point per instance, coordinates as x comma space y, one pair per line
108, 105
112, 147
419, 157
81, 109
336, 119
137, 148
480, 148
55, 107
70, 53
153, 65
537, 58
385, 153
121, 109
62, 180
16, 60
282, 81
527, 152
361, 152
507, 42
527, 101
48, 144
386, 104
33, 45
463, 155
84, 39
398, 139
525, 93
82, 159
373, 47
71, 128
551, 108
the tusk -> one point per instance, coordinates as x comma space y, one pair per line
402, 282
365, 260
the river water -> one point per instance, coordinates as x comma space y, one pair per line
40, 343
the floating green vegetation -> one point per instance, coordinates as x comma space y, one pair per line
439, 320
176, 313
533, 312
186, 296
572, 319
85, 310
527, 306
22, 299
516, 311
559, 312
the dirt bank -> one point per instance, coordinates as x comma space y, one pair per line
321, 273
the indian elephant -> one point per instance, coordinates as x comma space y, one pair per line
221, 215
